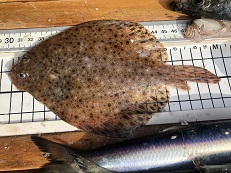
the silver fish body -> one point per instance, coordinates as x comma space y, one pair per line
216, 9
205, 148
201, 29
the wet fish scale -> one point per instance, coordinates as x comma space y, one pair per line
99, 75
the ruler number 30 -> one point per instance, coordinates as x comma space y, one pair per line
9, 40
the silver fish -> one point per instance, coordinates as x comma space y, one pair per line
202, 148
105, 77
215, 9
201, 29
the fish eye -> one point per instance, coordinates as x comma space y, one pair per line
198, 2
22, 75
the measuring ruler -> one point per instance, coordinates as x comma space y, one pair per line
24, 39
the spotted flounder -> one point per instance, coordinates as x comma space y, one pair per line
105, 77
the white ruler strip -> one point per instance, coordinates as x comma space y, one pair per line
23, 39
35, 128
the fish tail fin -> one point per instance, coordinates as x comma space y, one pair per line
180, 74
64, 159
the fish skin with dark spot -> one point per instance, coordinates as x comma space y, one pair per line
105, 77
214, 9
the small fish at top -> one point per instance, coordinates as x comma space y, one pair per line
214, 9
107, 77
200, 29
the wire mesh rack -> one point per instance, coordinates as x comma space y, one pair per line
215, 58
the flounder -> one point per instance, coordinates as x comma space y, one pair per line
105, 77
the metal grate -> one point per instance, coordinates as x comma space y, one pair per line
202, 96
19, 107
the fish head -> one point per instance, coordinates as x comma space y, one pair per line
195, 8
22, 73
200, 29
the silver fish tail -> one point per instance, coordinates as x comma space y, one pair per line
201, 148
65, 159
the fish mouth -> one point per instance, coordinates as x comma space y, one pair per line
190, 33
193, 33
